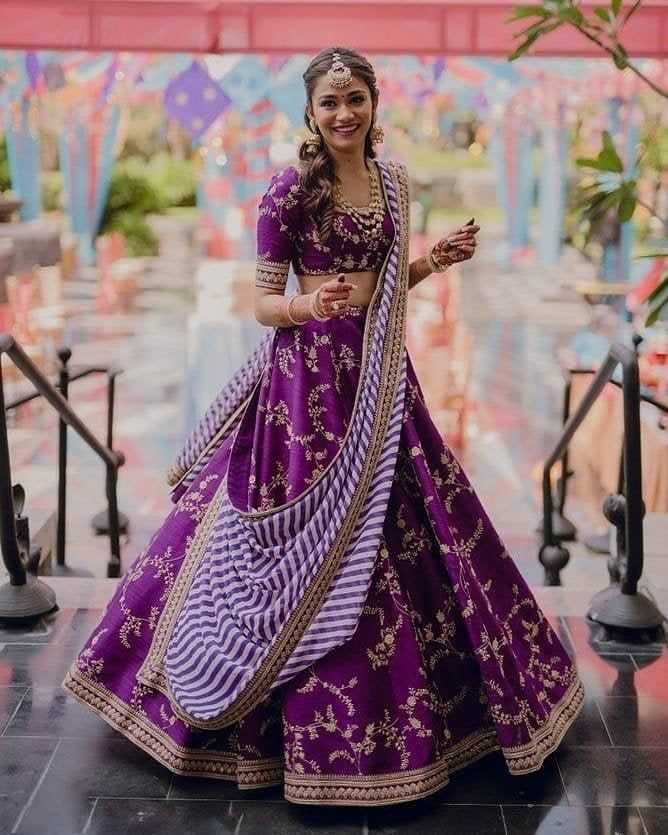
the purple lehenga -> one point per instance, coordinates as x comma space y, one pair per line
328, 606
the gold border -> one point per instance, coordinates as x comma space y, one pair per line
331, 789
145, 735
523, 759
401, 787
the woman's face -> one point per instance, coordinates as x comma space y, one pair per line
343, 115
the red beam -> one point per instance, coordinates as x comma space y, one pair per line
427, 27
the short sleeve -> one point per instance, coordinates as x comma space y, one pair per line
276, 229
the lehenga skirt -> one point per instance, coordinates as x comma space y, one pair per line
451, 658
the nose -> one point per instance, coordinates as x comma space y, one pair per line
344, 114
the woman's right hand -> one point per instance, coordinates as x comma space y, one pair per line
331, 298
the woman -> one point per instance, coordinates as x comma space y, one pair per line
328, 606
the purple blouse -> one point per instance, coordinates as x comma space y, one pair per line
286, 235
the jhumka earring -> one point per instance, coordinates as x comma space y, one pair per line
377, 135
338, 75
313, 142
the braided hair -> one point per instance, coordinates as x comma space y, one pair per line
317, 175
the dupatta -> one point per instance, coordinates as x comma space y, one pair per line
263, 594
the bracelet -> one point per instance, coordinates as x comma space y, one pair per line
288, 310
434, 265
314, 308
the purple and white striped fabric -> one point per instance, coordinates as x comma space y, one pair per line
257, 568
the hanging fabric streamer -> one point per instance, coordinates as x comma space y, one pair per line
257, 167
23, 151
552, 184
510, 149
87, 160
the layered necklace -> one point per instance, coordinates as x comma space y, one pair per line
369, 219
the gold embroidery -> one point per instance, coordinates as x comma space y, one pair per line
197, 762
272, 274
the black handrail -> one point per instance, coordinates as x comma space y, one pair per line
110, 370
627, 357
100, 521
567, 529
113, 459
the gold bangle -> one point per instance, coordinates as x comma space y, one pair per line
314, 307
288, 310
434, 265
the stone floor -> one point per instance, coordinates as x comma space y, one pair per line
64, 771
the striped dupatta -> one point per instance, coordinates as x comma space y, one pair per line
263, 594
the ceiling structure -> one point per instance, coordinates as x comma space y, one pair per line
424, 27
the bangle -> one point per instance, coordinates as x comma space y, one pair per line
314, 308
434, 265
288, 310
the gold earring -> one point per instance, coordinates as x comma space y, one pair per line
313, 142
377, 135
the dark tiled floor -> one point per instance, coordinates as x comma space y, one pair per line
63, 771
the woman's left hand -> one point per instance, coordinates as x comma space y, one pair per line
457, 246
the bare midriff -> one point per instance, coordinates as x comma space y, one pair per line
360, 297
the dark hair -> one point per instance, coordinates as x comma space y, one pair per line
317, 176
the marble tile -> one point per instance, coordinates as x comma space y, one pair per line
176, 817
50, 712
201, 788
615, 776
112, 816
10, 809
83, 769
22, 763
10, 698
489, 782
423, 817
570, 820
638, 722
655, 819
40, 664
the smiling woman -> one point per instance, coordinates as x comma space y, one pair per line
328, 606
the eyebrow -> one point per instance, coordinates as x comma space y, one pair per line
324, 96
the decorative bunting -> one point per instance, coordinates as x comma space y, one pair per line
195, 100
247, 83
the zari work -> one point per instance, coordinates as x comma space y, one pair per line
287, 234
444, 657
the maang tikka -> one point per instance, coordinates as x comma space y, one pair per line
338, 75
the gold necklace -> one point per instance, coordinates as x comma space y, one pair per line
369, 219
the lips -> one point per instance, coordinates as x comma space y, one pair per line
347, 131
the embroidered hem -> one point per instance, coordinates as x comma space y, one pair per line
186, 761
403, 786
330, 789
524, 759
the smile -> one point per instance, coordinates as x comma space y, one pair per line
347, 130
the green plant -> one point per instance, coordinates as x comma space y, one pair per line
174, 180
52, 187
611, 188
130, 198
140, 239
601, 27
5, 181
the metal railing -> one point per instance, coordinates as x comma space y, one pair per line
100, 521
19, 578
622, 606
